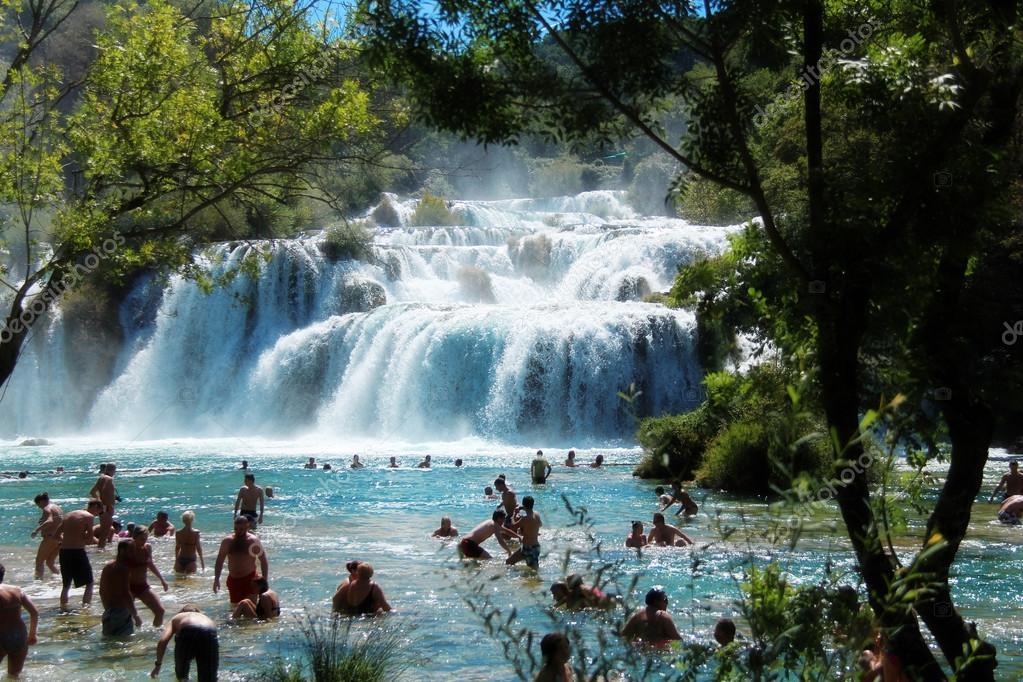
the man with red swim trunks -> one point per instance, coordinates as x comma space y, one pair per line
240, 549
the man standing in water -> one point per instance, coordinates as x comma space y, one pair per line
469, 547
664, 535
240, 550
528, 526
106, 492
119, 614
653, 624
540, 470
425, 464
507, 500
14, 640
49, 546
1012, 482
76, 531
195, 638
250, 495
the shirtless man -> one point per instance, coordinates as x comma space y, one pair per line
488, 493
507, 500
637, 539
469, 547
240, 550
187, 546
356, 464
105, 491
686, 503
195, 638
653, 624
446, 530
360, 596
266, 605
528, 526
14, 639
425, 464
664, 535
49, 546
76, 533
570, 460
598, 462
161, 526
540, 469
311, 464
1011, 510
119, 614
141, 565
249, 496
393, 464
1012, 482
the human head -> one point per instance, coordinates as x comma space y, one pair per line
250, 478
1014, 465
539, 453
111, 469
327, 467
241, 525
657, 597
637, 526
355, 458
488, 490
139, 531
42, 499
245, 464
445, 522
500, 484
351, 566
724, 631
130, 528
364, 571
188, 518
161, 516
116, 525
559, 591
189, 608
95, 507
312, 460
658, 519
428, 458
262, 584
458, 462
527, 502
503, 477
599, 459
573, 581
393, 460
125, 548
498, 516
659, 490
22, 474
555, 649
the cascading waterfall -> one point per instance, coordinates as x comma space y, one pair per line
522, 324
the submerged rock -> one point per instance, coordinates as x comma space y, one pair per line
633, 289
31, 442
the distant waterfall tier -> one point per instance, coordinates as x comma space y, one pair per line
521, 324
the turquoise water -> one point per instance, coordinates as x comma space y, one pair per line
319, 520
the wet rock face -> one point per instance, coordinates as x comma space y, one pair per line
633, 289
360, 296
32, 442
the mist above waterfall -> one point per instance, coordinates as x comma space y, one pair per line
520, 324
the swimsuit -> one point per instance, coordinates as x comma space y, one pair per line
199, 643
1003, 516
118, 622
367, 605
470, 548
531, 555
184, 563
250, 515
241, 588
138, 589
14, 641
75, 566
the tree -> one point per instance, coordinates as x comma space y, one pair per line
182, 114
881, 179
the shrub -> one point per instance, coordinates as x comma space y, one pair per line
347, 241
648, 192
385, 214
433, 211
556, 177
674, 445
476, 285
703, 202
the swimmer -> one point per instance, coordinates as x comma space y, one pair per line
570, 460
119, 615
266, 606
161, 526
351, 567
724, 631
269, 492
327, 467
311, 464
356, 464
488, 493
49, 545
597, 462
687, 505
1011, 510
360, 596
540, 469
240, 550
105, 491
663, 498
574, 594
187, 546
507, 500
195, 638
652, 624
76, 532
249, 495
637, 539
1012, 482
458, 464
555, 651
14, 638
141, 565
393, 464
446, 530
425, 464
662, 534
528, 526
245, 464
469, 547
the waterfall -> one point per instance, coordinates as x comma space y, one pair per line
521, 324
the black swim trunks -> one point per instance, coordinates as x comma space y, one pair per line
200, 644
75, 566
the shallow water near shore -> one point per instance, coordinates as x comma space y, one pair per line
319, 520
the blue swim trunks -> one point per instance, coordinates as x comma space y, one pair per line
531, 555
1009, 518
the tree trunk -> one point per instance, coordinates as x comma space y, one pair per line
13, 335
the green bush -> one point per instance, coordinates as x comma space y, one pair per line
706, 203
433, 211
347, 241
385, 214
648, 192
556, 177
674, 445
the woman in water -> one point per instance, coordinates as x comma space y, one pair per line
141, 565
14, 638
360, 595
187, 546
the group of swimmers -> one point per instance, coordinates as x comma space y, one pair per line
1011, 508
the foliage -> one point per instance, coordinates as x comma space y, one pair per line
556, 177
333, 653
703, 202
674, 445
648, 191
385, 214
433, 211
347, 241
